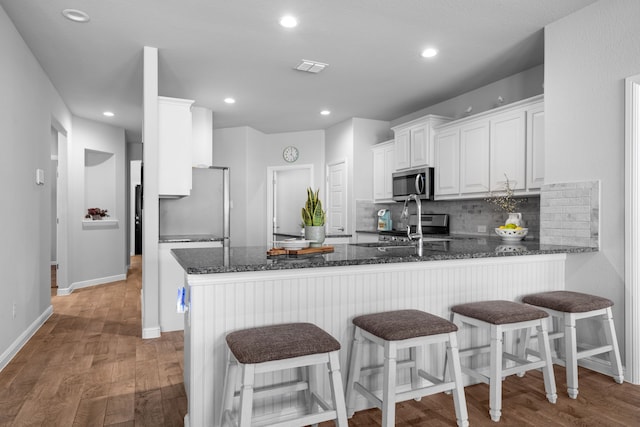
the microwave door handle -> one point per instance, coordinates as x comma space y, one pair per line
419, 184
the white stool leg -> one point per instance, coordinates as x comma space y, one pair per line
416, 357
313, 382
389, 385
459, 401
246, 396
545, 354
354, 371
571, 349
337, 393
614, 354
230, 381
495, 374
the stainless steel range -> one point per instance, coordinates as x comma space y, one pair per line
435, 227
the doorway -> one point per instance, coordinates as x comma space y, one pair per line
58, 178
337, 197
286, 197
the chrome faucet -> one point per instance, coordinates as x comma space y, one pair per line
418, 234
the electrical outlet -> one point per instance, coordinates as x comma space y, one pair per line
14, 310
482, 229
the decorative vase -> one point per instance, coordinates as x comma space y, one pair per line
514, 218
315, 233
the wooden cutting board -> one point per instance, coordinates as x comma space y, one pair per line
296, 252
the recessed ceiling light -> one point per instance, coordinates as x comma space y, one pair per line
230, 100
75, 15
108, 114
288, 21
429, 52
325, 112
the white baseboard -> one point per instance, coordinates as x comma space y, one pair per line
148, 333
13, 349
92, 282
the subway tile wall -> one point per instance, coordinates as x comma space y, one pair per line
570, 213
466, 216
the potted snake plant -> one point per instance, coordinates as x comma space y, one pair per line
313, 218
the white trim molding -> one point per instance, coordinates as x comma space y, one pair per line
91, 282
632, 229
15, 347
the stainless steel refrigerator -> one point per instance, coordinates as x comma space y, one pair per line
205, 212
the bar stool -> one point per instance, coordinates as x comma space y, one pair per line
498, 317
396, 330
277, 347
568, 307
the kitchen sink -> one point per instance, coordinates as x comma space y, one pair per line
395, 243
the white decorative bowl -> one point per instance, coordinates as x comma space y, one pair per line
511, 234
292, 244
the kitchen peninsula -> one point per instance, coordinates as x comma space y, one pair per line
235, 288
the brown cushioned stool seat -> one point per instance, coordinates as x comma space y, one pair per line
263, 344
403, 324
499, 312
567, 307
497, 318
567, 301
394, 331
274, 348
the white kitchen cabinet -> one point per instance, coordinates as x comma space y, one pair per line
535, 146
473, 155
383, 167
447, 163
170, 279
174, 147
508, 150
202, 142
414, 142
474, 158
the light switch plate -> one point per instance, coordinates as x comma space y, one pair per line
40, 176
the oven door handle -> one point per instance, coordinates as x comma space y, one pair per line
419, 184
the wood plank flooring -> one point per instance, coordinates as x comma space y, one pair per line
88, 366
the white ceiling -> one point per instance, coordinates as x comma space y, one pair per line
211, 49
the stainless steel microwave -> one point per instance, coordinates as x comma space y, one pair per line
414, 181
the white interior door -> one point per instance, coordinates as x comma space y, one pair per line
287, 196
336, 198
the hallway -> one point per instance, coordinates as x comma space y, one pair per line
88, 365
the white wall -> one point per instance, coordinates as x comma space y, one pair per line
587, 57
248, 153
97, 254
519, 86
28, 104
351, 140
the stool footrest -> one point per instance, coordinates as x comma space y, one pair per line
272, 390
377, 369
593, 351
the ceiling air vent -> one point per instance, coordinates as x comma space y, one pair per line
311, 66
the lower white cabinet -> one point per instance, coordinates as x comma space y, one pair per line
170, 279
383, 167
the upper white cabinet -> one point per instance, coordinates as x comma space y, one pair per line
474, 157
174, 147
508, 144
535, 146
477, 154
414, 142
383, 167
202, 144
447, 162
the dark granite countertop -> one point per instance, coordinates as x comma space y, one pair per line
243, 259
186, 238
300, 236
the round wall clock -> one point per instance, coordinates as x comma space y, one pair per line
290, 154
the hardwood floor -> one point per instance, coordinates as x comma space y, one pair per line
88, 366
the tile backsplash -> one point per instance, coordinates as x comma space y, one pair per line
570, 214
466, 216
